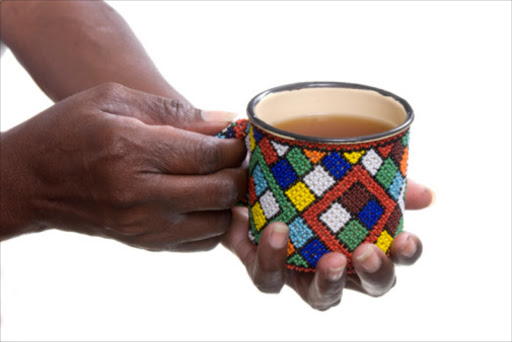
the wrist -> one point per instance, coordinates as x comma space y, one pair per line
17, 214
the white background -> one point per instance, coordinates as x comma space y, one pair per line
451, 61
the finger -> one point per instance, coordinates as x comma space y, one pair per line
202, 225
375, 270
210, 122
217, 191
176, 151
326, 288
406, 249
198, 246
157, 110
418, 196
237, 239
268, 273
174, 232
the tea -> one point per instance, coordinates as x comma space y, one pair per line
334, 125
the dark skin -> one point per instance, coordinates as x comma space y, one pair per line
123, 155
323, 289
125, 169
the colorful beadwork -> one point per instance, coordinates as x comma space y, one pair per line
333, 197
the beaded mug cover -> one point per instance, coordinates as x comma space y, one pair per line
333, 193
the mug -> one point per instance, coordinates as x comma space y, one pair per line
334, 193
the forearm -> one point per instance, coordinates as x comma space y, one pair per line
70, 46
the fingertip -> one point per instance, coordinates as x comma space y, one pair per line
374, 268
409, 248
367, 258
331, 260
327, 285
332, 266
238, 229
406, 249
274, 239
240, 210
208, 122
268, 273
213, 121
233, 151
418, 196
433, 197
240, 213
278, 235
221, 117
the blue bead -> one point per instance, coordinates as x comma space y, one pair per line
260, 184
284, 173
256, 134
370, 214
396, 185
313, 251
336, 165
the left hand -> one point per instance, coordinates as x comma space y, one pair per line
323, 289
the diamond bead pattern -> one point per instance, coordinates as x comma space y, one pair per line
300, 233
353, 235
269, 205
318, 180
372, 162
333, 197
300, 196
335, 217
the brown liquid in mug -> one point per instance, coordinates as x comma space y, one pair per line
333, 125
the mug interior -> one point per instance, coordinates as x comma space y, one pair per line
305, 99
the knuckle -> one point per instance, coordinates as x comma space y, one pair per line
236, 185
324, 299
224, 221
379, 290
209, 155
228, 190
179, 112
108, 96
232, 194
115, 145
220, 222
116, 169
268, 282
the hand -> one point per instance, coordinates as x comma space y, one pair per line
122, 164
323, 289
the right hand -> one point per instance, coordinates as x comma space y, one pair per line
119, 163
375, 272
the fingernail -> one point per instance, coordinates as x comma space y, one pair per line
409, 248
334, 274
433, 196
216, 115
369, 260
279, 236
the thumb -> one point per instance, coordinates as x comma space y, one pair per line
211, 122
418, 196
157, 110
